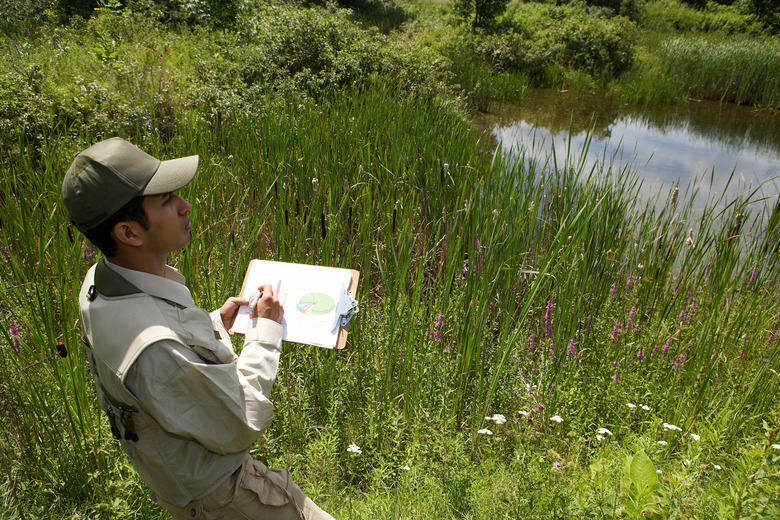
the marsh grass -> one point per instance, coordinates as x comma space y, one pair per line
490, 284
735, 69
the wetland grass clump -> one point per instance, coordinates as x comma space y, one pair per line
739, 69
527, 327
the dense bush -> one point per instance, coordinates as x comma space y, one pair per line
567, 36
600, 47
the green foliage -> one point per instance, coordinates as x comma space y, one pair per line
480, 13
16, 15
671, 15
733, 69
603, 48
766, 12
477, 271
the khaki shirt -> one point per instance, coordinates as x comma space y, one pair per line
221, 404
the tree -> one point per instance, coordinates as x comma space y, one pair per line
767, 12
482, 13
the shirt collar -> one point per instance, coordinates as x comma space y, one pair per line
169, 287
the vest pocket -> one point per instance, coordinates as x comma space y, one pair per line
272, 486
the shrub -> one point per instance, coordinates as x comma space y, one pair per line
480, 13
602, 48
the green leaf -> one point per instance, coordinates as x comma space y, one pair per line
642, 473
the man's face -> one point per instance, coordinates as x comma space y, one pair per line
169, 226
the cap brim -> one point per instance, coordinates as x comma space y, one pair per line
172, 175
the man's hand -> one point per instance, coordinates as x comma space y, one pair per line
229, 310
268, 306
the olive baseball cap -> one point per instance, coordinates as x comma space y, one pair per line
109, 174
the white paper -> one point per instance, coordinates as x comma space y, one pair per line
309, 294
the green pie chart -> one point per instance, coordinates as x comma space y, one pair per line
316, 303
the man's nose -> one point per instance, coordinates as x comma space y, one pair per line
184, 206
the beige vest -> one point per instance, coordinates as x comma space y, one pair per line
119, 321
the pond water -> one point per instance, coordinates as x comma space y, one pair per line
665, 145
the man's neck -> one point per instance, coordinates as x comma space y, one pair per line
154, 266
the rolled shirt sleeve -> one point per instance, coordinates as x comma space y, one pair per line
222, 406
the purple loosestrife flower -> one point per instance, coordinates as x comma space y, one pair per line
571, 351
629, 284
772, 336
548, 323
631, 316
532, 343
612, 291
707, 269
666, 346
6, 253
615, 378
652, 354
13, 330
616, 329
435, 333
753, 276
640, 356
681, 317
741, 353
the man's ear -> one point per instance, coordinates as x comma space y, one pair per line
127, 233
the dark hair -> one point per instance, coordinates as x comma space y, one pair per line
100, 236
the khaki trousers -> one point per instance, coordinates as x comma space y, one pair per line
253, 492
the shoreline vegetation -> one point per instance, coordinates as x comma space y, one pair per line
531, 342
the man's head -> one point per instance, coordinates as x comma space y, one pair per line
107, 183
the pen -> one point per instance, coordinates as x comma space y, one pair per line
254, 301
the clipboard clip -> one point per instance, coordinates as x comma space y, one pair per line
347, 308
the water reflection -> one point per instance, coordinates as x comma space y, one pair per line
665, 145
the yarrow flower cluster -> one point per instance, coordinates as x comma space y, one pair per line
354, 448
556, 418
484, 431
497, 418
672, 427
694, 436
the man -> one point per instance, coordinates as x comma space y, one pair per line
184, 407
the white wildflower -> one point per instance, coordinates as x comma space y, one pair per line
662, 443
631, 405
485, 431
695, 437
599, 437
776, 446
604, 430
497, 418
354, 449
523, 412
658, 471
406, 468
717, 467
672, 427
556, 418
645, 407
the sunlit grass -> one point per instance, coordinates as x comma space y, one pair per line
490, 284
